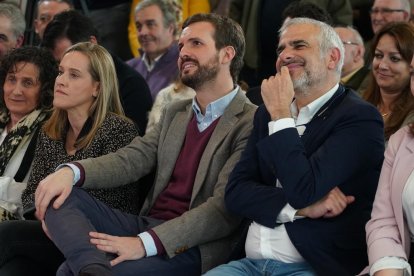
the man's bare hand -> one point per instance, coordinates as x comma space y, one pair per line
57, 184
277, 94
333, 204
127, 248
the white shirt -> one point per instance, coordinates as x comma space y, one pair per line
267, 243
150, 64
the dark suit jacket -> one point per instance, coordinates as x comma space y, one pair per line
254, 94
134, 93
359, 80
342, 146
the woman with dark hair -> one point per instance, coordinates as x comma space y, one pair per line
390, 232
389, 91
27, 76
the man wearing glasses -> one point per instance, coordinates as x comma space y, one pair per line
385, 11
354, 72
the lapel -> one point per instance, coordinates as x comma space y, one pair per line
227, 121
404, 165
171, 147
313, 128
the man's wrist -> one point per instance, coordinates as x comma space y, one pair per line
72, 168
280, 115
148, 244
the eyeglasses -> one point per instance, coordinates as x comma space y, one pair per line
349, 43
385, 11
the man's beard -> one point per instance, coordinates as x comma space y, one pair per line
203, 74
307, 79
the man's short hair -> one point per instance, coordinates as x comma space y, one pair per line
11, 11
71, 25
328, 38
227, 33
68, 2
167, 9
406, 5
355, 34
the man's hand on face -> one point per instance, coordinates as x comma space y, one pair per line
277, 94
56, 185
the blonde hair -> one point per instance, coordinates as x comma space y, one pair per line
102, 70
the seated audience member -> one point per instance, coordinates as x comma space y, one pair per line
308, 175
72, 27
293, 10
390, 232
183, 227
176, 91
260, 19
382, 13
389, 91
112, 18
12, 26
87, 121
354, 74
157, 29
27, 76
46, 11
184, 9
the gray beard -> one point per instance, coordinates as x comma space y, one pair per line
308, 79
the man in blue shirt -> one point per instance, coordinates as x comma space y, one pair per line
183, 227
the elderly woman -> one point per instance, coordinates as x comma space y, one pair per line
393, 48
27, 76
87, 121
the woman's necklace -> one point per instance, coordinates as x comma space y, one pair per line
384, 113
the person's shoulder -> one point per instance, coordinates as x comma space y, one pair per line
401, 137
134, 62
115, 123
177, 106
352, 99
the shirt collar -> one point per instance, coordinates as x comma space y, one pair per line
346, 78
214, 109
148, 64
306, 113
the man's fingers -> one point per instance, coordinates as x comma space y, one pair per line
61, 199
42, 206
350, 199
117, 260
284, 71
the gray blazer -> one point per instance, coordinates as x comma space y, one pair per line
207, 224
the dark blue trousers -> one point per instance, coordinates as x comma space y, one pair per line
70, 225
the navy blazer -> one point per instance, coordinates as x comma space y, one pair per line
343, 145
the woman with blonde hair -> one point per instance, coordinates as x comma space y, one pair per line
87, 121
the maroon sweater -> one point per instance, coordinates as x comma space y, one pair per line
175, 199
